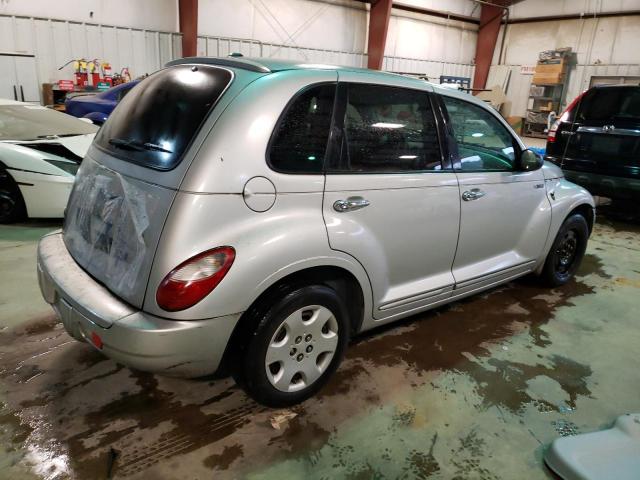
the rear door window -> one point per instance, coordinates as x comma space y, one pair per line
389, 130
155, 123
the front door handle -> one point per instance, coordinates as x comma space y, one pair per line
473, 194
350, 204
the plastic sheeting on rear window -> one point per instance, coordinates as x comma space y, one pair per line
104, 229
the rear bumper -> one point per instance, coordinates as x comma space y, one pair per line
606, 185
128, 336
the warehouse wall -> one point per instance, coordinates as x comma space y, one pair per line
604, 46
143, 14
538, 8
459, 7
340, 26
55, 42
335, 31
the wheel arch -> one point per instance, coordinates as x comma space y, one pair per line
587, 211
581, 207
344, 282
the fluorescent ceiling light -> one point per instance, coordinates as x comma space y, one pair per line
387, 125
407, 157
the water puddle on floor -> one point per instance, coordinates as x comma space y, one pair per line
425, 398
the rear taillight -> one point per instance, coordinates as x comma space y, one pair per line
194, 279
551, 137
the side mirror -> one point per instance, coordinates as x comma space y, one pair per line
529, 161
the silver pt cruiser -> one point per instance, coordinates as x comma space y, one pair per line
257, 214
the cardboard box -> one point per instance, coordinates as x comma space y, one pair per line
550, 72
516, 124
546, 107
548, 78
550, 68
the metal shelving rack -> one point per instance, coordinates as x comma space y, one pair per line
545, 98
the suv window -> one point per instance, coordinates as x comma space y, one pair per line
299, 142
155, 122
610, 105
482, 143
389, 129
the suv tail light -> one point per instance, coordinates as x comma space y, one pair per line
194, 279
551, 137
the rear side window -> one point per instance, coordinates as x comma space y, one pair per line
609, 105
299, 142
389, 130
154, 124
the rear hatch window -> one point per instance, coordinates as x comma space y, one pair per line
616, 105
157, 120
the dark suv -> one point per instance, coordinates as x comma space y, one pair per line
596, 141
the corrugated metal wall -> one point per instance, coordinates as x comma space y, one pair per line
220, 47
55, 42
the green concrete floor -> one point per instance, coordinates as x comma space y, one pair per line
475, 390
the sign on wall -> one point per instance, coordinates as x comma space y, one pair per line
66, 85
527, 69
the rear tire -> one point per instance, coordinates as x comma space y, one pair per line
298, 344
563, 260
12, 207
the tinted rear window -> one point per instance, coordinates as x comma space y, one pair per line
155, 123
610, 104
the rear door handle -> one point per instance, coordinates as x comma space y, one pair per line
473, 194
350, 204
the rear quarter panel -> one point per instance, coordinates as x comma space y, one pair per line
289, 237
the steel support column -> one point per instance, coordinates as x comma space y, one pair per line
490, 19
379, 15
188, 14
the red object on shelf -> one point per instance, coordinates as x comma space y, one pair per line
81, 79
95, 78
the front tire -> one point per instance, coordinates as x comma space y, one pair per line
12, 207
296, 347
566, 252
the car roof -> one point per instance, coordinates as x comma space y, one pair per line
271, 65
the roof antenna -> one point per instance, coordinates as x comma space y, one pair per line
235, 54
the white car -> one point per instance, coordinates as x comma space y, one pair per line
40, 152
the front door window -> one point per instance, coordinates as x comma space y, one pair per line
482, 142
